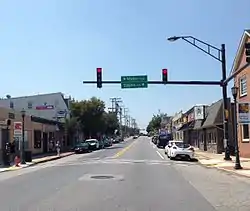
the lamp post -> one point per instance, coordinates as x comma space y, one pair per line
23, 156
221, 57
234, 90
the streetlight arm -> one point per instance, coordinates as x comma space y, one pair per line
195, 42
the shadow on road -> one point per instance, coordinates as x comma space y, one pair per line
188, 161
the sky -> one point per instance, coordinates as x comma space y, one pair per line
53, 45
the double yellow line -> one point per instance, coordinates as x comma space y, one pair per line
120, 153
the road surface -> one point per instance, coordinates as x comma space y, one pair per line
130, 176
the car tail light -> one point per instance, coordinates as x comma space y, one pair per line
174, 147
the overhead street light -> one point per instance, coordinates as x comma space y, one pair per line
221, 57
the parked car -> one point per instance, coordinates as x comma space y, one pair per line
181, 150
93, 144
82, 147
169, 145
107, 142
101, 144
163, 140
154, 139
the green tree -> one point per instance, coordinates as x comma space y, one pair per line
111, 122
154, 124
91, 118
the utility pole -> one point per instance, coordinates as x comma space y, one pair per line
114, 102
125, 115
120, 114
116, 108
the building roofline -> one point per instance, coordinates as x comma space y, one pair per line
237, 58
34, 95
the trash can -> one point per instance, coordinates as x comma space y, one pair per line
28, 156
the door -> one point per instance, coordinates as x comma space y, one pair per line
45, 142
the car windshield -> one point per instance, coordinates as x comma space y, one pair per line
182, 145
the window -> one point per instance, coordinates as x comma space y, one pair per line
29, 105
243, 86
11, 104
245, 133
37, 139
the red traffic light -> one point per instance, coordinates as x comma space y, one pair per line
99, 70
164, 71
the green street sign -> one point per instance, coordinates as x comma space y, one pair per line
138, 81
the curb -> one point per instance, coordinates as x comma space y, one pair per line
232, 172
39, 162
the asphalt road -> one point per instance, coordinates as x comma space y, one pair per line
130, 176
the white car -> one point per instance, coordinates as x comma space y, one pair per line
169, 145
181, 150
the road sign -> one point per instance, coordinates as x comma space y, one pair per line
18, 126
138, 81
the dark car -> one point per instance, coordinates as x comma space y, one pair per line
117, 140
82, 147
155, 139
107, 142
101, 144
163, 140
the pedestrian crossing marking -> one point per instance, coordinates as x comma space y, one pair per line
116, 161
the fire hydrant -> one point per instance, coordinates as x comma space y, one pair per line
17, 161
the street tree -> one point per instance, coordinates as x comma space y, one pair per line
155, 123
91, 117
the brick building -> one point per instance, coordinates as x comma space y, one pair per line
242, 80
38, 132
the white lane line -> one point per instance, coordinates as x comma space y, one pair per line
160, 155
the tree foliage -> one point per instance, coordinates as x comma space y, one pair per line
90, 118
155, 122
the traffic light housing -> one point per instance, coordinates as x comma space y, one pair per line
165, 75
99, 77
247, 52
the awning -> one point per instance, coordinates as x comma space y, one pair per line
187, 126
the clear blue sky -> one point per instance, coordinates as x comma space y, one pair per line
50, 46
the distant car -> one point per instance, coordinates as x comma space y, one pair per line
82, 147
181, 150
93, 144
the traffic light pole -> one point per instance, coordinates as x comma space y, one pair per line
225, 103
221, 57
168, 82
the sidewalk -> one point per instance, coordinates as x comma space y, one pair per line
36, 160
217, 161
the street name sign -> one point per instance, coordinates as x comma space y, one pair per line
138, 81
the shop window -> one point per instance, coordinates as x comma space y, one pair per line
11, 104
29, 105
37, 139
245, 133
209, 138
214, 138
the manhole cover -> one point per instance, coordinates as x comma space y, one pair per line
102, 177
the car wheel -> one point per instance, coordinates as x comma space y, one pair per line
171, 158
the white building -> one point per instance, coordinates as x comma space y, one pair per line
52, 106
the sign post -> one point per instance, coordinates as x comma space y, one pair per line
139, 81
18, 133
